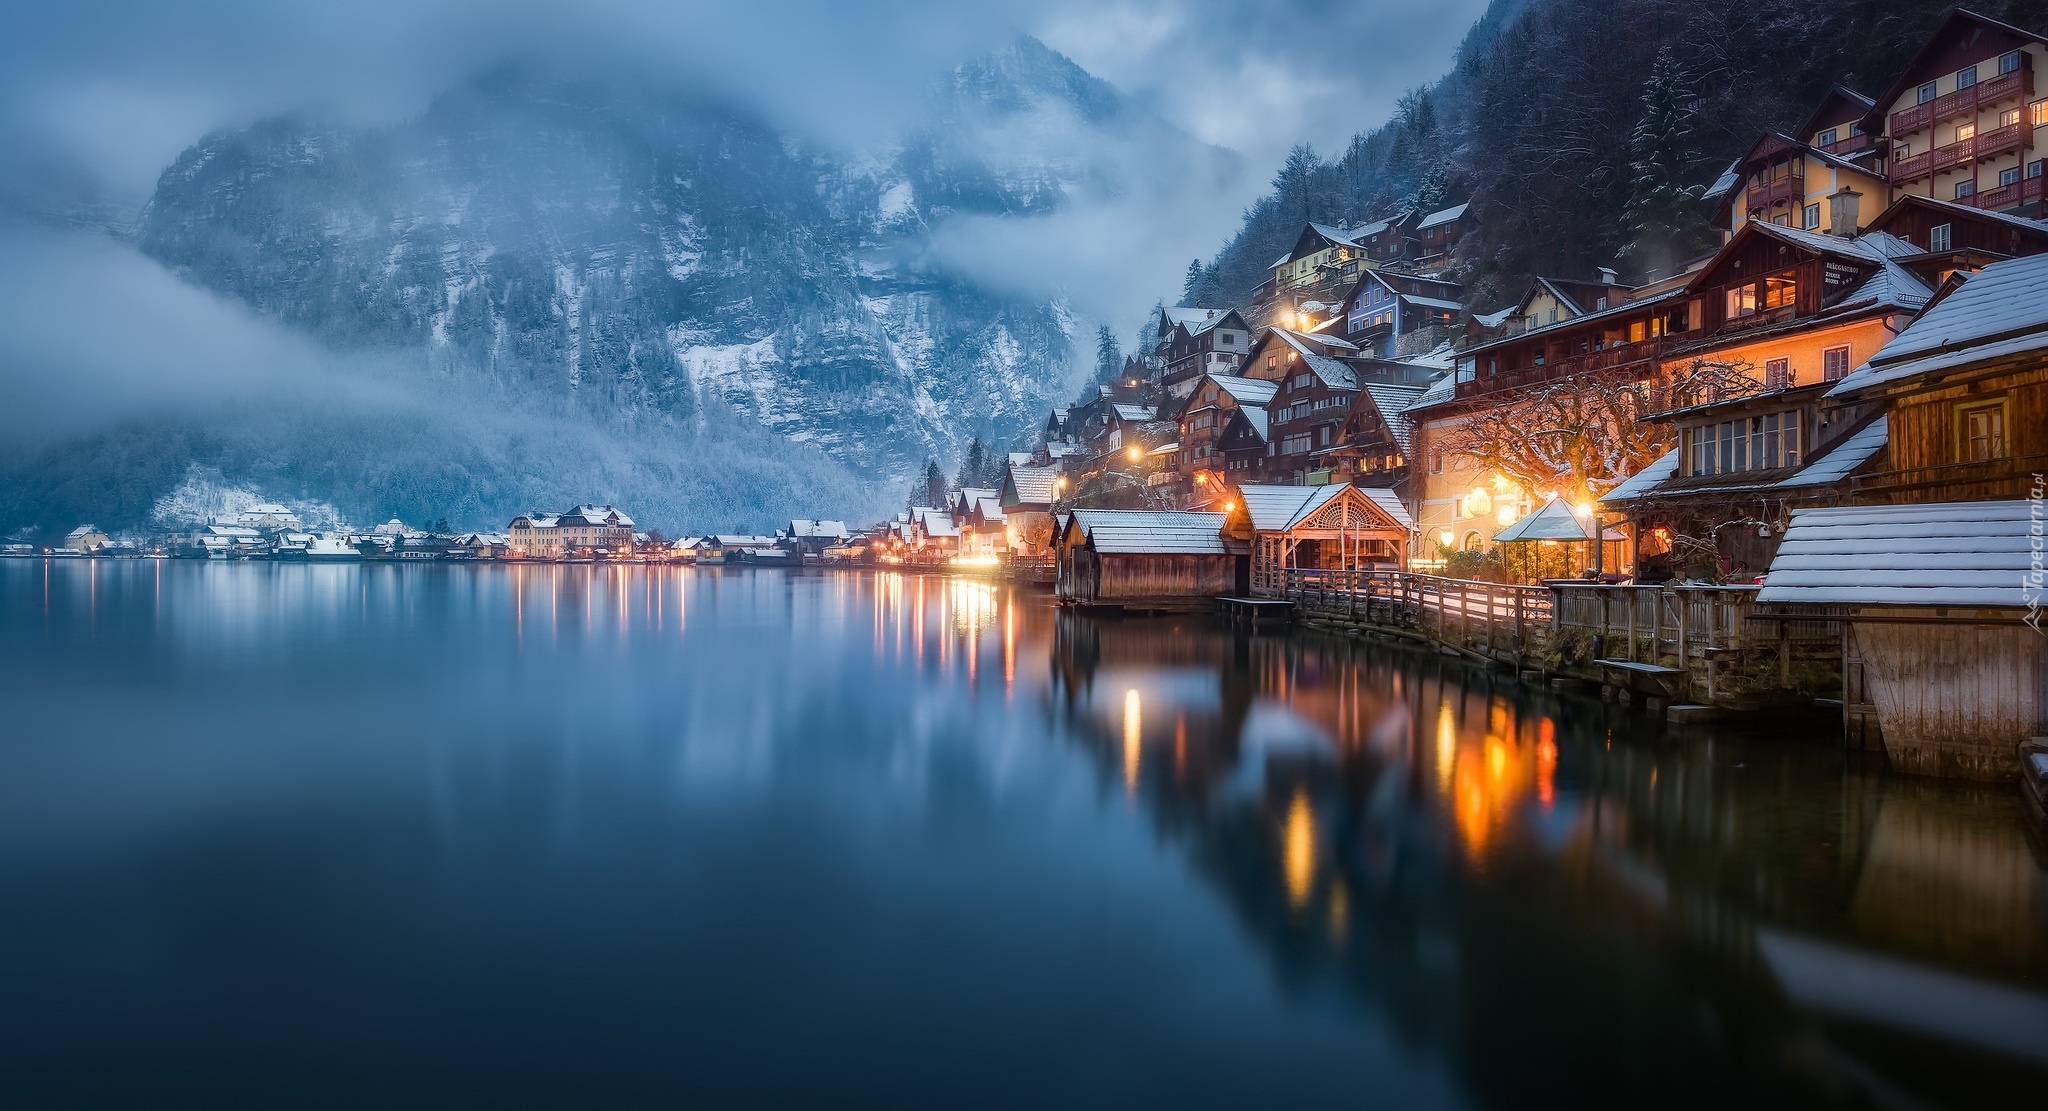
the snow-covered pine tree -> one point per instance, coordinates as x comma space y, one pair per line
1109, 355
974, 467
1664, 220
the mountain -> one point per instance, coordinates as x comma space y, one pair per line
1536, 123
654, 269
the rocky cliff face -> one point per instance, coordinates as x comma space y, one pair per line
629, 255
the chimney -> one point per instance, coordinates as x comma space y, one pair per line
1609, 277
1843, 211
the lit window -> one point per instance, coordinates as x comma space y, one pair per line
1966, 131
2037, 113
1938, 237
1834, 362
2009, 118
1980, 432
1779, 292
1741, 302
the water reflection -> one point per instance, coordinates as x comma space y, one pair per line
942, 845
1553, 893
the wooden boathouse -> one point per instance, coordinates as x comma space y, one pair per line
1146, 560
1933, 602
1330, 528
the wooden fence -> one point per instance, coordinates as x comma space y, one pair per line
1493, 619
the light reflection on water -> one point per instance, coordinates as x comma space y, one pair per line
767, 838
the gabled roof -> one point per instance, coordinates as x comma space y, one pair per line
1335, 373
1939, 554
1141, 532
2036, 229
1136, 414
827, 529
1279, 508
1392, 401
1246, 391
1442, 390
1311, 344
1910, 74
1443, 216
1557, 520
1839, 105
1999, 312
1029, 485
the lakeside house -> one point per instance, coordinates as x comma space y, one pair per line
585, 530
1146, 559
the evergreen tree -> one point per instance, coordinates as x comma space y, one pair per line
973, 468
1663, 219
934, 491
1109, 355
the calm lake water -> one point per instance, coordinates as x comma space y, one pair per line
378, 836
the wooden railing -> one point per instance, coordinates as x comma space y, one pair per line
1963, 102
2006, 477
1784, 190
1643, 624
2024, 191
1645, 352
1998, 140
1496, 618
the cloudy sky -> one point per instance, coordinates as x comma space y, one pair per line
97, 96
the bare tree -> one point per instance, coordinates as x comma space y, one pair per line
1585, 434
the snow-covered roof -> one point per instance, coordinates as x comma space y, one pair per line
1333, 234
1643, 481
1247, 391
743, 541
990, 508
938, 524
1939, 554
1443, 216
1137, 414
1258, 418
1494, 319
1335, 374
1557, 520
1999, 312
1393, 401
1142, 532
1432, 302
1725, 184
81, 530
831, 530
1836, 463
1439, 391
600, 515
1034, 485
1279, 508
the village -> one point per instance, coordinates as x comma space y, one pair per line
1803, 469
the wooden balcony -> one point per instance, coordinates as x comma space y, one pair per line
1849, 144
1786, 190
1620, 355
1964, 102
2025, 191
2017, 136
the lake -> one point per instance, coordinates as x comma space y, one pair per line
551, 836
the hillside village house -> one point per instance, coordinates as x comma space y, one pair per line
1198, 341
1437, 233
1788, 180
1966, 119
1204, 416
1386, 306
585, 529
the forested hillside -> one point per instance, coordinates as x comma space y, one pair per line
1585, 130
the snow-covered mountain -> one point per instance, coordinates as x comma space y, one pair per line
661, 267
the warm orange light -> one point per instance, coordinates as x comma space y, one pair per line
1298, 850
1134, 733
1136, 455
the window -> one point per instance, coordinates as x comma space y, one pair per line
2009, 62
2034, 168
1834, 362
2037, 113
1966, 189
1782, 219
1927, 92
1436, 461
2009, 176
2009, 118
1225, 338
1827, 138
1703, 450
1812, 217
1966, 77
1938, 237
1777, 373
1741, 302
1980, 432
1966, 131
1272, 362
1901, 152
1779, 292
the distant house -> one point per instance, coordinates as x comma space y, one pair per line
1026, 501
734, 548
1198, 341
85, 538
1440, 231
1204, 416
1385, 306
811, 538
267, 517
585, 529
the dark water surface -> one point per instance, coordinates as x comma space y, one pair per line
382, 836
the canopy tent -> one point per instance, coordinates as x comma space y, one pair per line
1558, 522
